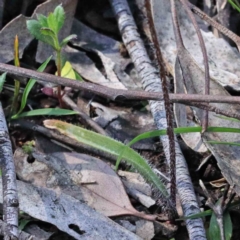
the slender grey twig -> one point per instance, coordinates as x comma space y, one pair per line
10, 197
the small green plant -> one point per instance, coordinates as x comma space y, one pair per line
46, 29
28, 147
45, 111
213, 231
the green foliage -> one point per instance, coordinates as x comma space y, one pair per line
214, 230
28, 147
46, 29
110, 146
179, 130
39, 112
47, 111
2, 81
29, 87
235, 4
23, 220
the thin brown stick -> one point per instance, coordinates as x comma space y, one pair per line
112, 93
234, 37
167, 103
83, 115
216, 110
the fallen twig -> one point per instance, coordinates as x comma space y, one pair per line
234, 37
167, 104
10, 197
152, 83
114, 94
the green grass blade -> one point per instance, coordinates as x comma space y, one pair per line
197, 215
29, 87
180, 130
235, 5
110, 146
208, 212
78, 76
2, 80
46, 111
228, 118
224, 143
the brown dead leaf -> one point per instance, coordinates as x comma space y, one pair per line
108, 50
227, 156
224, 60
219, 183
83, 177
67, 214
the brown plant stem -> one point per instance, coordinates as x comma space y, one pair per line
115, 94
234, 37
59, 69
167, 104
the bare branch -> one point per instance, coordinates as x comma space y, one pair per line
10, 197
112, 93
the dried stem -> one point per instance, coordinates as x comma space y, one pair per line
114, 94
234, 37
167, 103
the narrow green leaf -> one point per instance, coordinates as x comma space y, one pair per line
179, 130
227, 223
110, 146
2, 80
224, 143
59, 15
235, 5
197, 215
214, 230
209, 212
47, 111
228, 118
22, 223
29, 87
78, 76
67, 39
